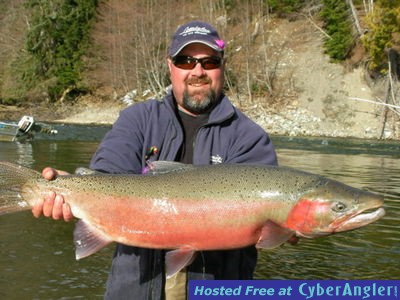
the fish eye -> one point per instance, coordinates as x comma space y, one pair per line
339, 207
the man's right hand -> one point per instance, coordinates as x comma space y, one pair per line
53, 205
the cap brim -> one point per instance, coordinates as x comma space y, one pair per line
212, 46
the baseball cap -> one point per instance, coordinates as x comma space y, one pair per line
195, 32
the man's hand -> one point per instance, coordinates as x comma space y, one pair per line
53, 205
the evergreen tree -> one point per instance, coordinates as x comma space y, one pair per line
56, 41
335, 14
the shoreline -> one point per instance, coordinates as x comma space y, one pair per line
293, 122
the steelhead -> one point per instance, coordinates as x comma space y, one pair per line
189, 208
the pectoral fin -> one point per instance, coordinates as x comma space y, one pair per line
176, 260
273, 235
88, 239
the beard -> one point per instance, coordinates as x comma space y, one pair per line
199, 103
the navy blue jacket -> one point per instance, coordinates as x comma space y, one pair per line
228, 137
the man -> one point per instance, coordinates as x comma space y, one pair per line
195, 123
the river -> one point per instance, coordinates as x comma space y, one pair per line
37, 255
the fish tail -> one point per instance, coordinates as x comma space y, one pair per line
12, 180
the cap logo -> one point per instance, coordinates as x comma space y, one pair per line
195, 30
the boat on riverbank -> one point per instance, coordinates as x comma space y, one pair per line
24, 130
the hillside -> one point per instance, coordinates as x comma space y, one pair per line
318, 92
308, 95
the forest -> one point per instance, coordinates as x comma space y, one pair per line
59, 50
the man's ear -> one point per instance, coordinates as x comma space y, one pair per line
169, 63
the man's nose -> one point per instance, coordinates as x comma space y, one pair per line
198, 70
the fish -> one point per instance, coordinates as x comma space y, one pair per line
186, 208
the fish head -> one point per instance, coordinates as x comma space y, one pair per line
332, 207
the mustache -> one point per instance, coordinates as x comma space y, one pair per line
198, 80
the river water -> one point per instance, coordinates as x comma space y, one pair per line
37, 255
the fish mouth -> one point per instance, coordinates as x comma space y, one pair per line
361, 218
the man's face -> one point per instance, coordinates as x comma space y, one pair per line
196, 91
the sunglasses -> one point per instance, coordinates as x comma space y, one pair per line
188, 63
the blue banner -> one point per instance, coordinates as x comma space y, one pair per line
294, 289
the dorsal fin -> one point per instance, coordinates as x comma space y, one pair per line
85, 171
162, 167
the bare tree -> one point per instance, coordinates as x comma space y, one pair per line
354, 14
391, 111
